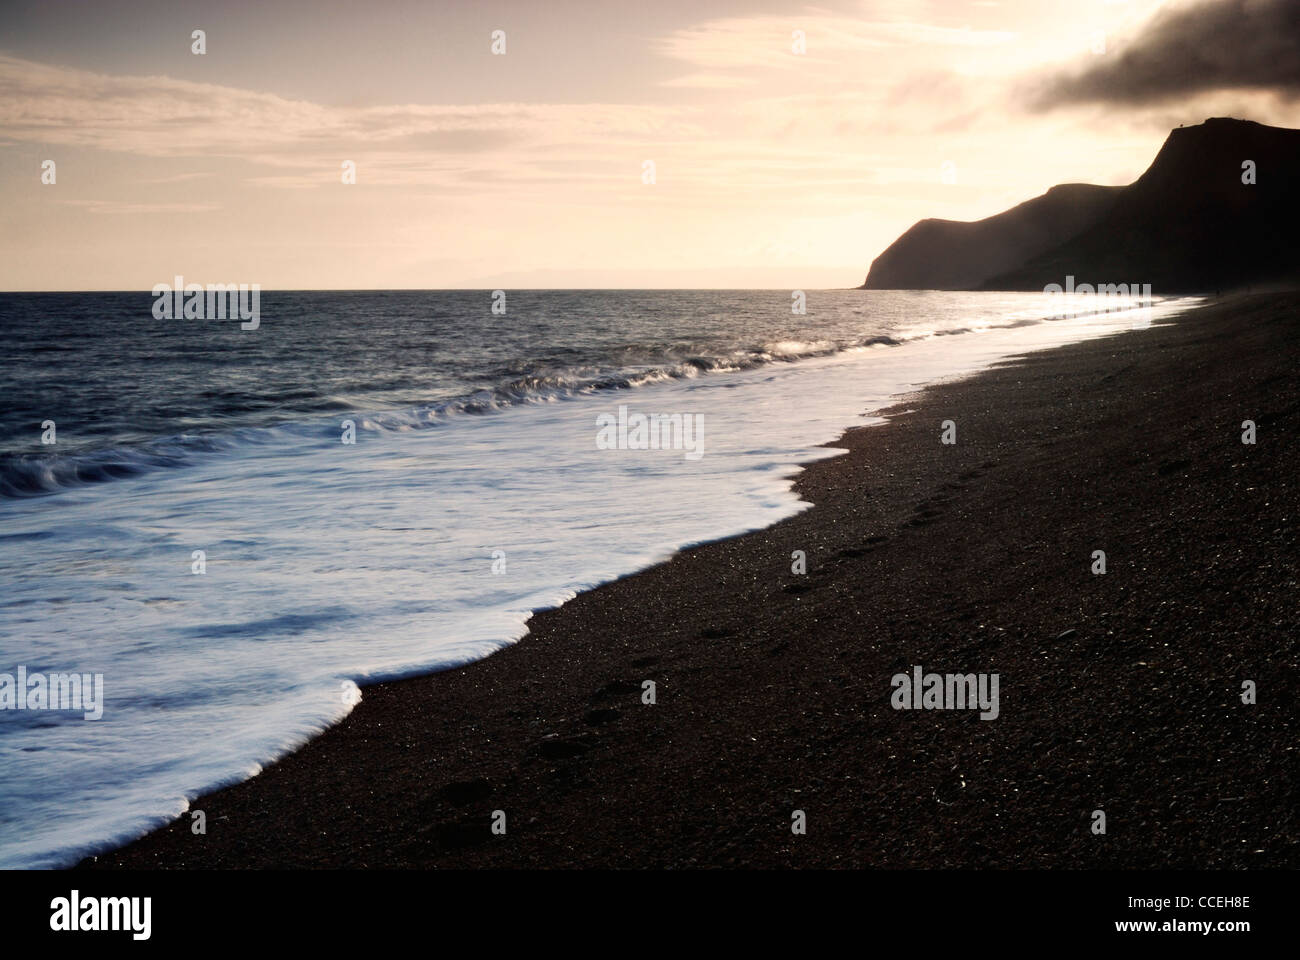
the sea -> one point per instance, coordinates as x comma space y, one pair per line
237, 529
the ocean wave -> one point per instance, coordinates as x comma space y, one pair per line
41, 474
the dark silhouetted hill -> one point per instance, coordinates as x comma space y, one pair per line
1189, 224
958, 255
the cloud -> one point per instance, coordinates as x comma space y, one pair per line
159, 116
135, 209
1188, 50
809, 141
748, 43
709, 81
180, 177
302, 142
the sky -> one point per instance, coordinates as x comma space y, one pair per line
677, 143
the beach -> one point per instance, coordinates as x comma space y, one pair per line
1119, 692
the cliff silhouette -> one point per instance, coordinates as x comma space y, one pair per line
1189, 224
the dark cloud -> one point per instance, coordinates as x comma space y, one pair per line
1216, 45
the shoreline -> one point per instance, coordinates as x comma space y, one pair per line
1119, 692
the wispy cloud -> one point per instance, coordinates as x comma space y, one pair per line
709, 81
768, 43
295, 144
180, 177
165, 117
128, 207
402, 144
